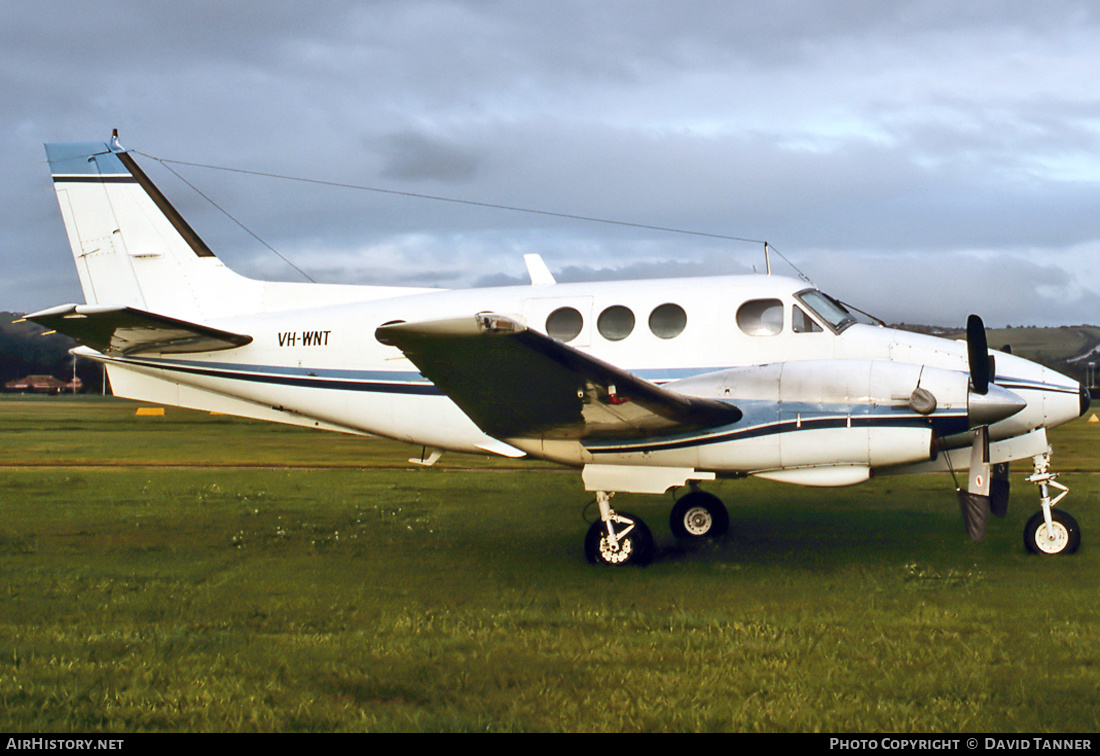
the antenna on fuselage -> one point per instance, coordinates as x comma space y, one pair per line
768, 249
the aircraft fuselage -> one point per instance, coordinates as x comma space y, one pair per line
811, 390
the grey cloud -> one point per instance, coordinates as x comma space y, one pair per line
416, 157
943, 289
872, 142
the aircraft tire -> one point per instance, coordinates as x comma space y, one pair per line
1067, 534
636, 548
699, 515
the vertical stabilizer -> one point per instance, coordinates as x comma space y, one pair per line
131, 246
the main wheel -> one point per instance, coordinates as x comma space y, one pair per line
634, 543
1063, 538
699, 515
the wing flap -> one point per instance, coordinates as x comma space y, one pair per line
514, 382
118, 330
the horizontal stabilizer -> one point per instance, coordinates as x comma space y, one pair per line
517, 383
117, 330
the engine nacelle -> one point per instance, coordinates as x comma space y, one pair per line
843, 417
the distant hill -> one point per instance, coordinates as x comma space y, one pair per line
24, 350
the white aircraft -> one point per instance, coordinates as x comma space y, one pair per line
642, 385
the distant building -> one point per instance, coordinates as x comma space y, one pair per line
44, 384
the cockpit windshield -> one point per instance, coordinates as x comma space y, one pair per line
830, 310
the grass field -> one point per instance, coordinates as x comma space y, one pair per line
200, 573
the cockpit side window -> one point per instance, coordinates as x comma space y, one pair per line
803, 323
760, 317
828, 309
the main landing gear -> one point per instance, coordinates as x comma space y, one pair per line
1050, 531
619, 538
699, 514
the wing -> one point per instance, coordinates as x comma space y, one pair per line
517, 383
126, 330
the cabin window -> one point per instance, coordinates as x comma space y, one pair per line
668, 321
802, 323
615, 323
760, 317
564, 324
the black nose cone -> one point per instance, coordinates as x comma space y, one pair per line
1085, 400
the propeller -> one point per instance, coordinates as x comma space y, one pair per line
987, 486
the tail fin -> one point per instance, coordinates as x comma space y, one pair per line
132, 248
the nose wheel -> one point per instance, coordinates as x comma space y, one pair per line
1060, 536
617, 538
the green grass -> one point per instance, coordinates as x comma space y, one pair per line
36, 432
350, 592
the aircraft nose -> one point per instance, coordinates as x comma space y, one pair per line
1086, 399
994, 405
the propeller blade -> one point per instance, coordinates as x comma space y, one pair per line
998, 490
974, 501
977, 350
975, 511
979, 463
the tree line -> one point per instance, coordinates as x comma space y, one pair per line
26, 349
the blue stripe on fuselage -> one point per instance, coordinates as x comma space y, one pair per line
341, 380
942, 424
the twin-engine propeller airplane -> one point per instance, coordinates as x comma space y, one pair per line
642, 385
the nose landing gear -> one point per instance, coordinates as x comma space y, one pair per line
1049, 531
617, 538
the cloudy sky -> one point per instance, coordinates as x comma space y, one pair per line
921, 160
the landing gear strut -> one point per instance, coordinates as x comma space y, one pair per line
617, 538
1049, 531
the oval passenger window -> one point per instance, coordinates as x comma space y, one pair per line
615, 323
668, 321
760, 317
564, 324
